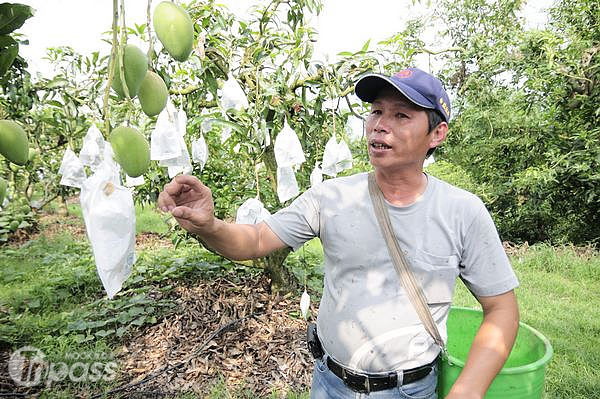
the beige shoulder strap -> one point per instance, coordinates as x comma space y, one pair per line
410, 284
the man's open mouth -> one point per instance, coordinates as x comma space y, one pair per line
380, 146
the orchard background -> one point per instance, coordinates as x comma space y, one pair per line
524, 137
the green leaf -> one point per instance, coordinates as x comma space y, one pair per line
122, 330
365, 47
78, 325
7, 57
79, 338
57, 82
24, 224
7, 41
13, 16
54, 103
104, 333
124, 318
34, 303
139, 321
135, 311
224, 123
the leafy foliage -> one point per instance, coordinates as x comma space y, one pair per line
12, 17
527, 121
16, 216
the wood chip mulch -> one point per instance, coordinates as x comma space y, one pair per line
262, 353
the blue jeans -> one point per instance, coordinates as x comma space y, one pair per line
326, 385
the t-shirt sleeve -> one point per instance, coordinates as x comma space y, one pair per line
298, 222
485, 267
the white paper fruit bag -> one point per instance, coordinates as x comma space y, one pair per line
251, 211
288, 150
109, 216
287, 186
200, 151
92, 150
232, 95
71, 170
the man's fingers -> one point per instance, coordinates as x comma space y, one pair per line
172, 188
184, 183
191, 182
165, 202
173, 191
183, 212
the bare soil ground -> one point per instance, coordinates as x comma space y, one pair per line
263, 349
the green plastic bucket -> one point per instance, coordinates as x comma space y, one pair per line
523, 374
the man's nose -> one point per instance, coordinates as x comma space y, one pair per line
380, 125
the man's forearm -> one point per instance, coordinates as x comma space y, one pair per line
490, 349
238, 241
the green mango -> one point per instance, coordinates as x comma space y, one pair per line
174, 29
136, 66
131, 150
13, 142
3, 188
153, 94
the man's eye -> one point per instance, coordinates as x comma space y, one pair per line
375, 112
401, 115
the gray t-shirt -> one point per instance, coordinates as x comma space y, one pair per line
366, 321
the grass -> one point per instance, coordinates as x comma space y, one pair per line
147, 219
558, 295
42, 281
51, 298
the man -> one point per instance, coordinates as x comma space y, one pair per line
373, 342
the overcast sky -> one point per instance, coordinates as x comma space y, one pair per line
342, 25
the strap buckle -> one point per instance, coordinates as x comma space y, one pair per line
351, 377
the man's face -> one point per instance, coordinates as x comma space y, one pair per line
397, 132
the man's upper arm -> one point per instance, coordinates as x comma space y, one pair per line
485, 267
268, 241
506, 302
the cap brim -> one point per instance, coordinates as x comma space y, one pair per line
368, 87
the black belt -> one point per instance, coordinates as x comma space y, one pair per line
366, 382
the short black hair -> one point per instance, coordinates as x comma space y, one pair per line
434, 119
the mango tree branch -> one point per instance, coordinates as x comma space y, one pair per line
185, 91
150, 41
446, 50
123, 42
111, 68
350, 106
347, 90
303, 82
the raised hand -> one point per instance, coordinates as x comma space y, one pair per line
190, 202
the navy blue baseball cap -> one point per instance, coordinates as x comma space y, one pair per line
420, 87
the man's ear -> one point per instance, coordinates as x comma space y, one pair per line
438, 135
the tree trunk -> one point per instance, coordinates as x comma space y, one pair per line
282, 279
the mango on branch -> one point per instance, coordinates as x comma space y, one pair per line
174, 29
153, 94
131, 150
14, 144
135, 68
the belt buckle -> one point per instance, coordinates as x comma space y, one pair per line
367, 384
364, 388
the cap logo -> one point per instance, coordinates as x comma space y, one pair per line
444, 106
406, 73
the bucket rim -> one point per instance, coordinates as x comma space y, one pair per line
541, 362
